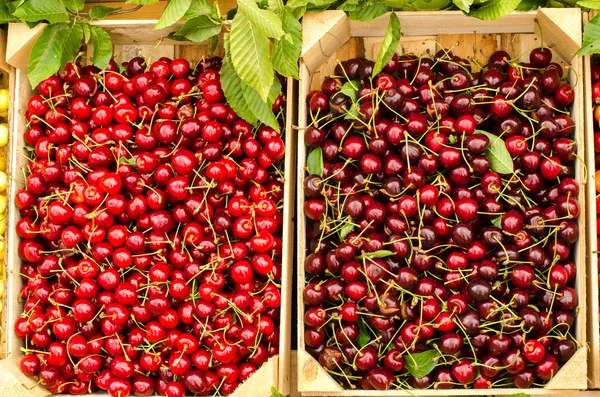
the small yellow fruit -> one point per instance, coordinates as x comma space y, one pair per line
2, 204
4, 100
3, 135
2, 244
2, 224
3, 181
2, 162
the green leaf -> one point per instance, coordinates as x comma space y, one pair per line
200, 7
494, 9
397, 4
378, 254
244, 99
497, 221
297, 3
389, 44
591, 37
500, 159
5, 14
274, 91
261, 110
214, 41
174, 11
250, 56
350, 5
232, 87
74, 5
314, 162
101, 12
298, 12
345, 231
72, 44
277, 7
313, 4
103, 48
353, 113
368, 13
421, 364
275, 392
199, 29
87, 31
319, 4
363, 338
52, 11
593, 4
350, 89
267, 22
142, 2
46, 53
463, 5
418, 5
285, 54
530, 5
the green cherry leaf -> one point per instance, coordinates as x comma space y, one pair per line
199, 29
103, 49
421, 364
174, 11
377, 254
463, 5
250, 55
591, 37
52, 11
389, 45
46, 53
494, 9
101, 12
285, 53
314, 162
497, 221
363, 335
350, 89
345, 231
500, 159
265, 20
275, 392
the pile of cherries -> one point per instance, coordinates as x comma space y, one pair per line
426, 235
151, 225
596, 108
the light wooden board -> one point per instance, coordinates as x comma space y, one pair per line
275, 372
330, 37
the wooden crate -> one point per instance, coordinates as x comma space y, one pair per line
592, 230
131, 38
330, 36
